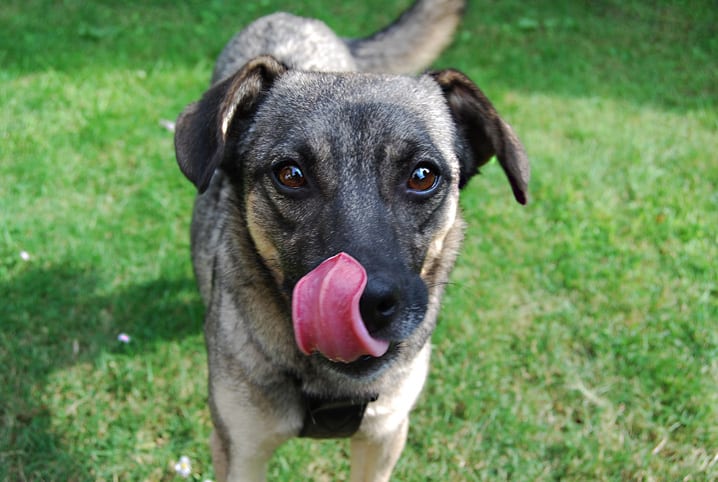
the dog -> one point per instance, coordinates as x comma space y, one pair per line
326, 225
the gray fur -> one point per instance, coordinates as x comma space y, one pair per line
411, 43
292, 40
405, 47
357, 137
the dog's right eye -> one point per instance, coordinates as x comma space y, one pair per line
290, 175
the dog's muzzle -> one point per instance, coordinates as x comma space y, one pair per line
346, 315
326, 311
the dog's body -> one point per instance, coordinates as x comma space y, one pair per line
310, 166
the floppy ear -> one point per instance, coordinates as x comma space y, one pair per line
482, 133
206, 128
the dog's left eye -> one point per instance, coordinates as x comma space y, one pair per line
290, 175
423, 179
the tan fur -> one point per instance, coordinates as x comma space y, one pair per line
264, 245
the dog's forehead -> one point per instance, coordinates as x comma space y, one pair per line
399, 104
354, 86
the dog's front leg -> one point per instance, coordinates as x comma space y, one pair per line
237, 462
372, 460
377, 446
246, 433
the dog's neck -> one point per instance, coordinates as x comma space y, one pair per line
332, 418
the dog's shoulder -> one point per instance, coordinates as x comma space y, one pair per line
298, 42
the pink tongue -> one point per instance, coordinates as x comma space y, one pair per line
325, 311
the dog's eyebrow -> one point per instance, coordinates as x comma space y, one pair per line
414, 149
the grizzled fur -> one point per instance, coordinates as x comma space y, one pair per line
405, 47
286, 90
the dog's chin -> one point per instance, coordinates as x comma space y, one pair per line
364, 368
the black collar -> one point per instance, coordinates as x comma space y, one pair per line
332, 418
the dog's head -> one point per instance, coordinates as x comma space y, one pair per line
361, 164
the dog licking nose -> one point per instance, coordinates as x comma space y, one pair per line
326, 313
379, 304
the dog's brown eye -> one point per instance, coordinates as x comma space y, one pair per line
291, 176
423, 179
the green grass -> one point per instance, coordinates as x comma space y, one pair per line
579, 336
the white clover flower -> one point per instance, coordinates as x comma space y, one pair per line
168, 124
24, 255
123, 338
183, 467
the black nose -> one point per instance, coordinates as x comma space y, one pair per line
379, 304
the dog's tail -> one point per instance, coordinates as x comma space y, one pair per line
413, 41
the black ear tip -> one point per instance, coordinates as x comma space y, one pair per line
519, 186
203, 183
521, 197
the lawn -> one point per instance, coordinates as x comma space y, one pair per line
579, 335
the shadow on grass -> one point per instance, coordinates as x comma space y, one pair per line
53, 318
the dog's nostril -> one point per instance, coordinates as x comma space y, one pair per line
379, 304
387, 307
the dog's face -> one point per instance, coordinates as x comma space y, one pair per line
355, 169
360, 164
